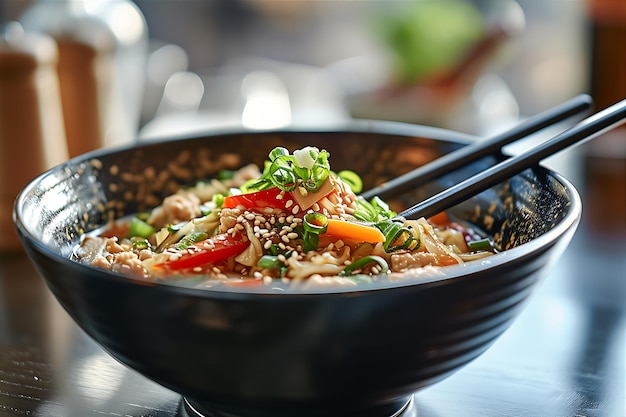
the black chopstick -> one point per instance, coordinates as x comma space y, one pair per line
585, 130
462, 156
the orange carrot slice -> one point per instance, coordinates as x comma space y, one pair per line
357, 232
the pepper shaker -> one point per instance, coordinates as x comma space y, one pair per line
32, 134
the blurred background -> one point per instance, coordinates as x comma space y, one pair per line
81, 75
119, 71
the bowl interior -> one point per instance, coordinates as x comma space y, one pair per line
88, 191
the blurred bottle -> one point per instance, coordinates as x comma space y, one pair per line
102, 59
32, 137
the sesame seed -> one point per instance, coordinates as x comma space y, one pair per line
292, 235
268, 210
289, 204
282, 246
285, 239
289, 218
282, 258
257, 274
267, 244
250, 216
295, 209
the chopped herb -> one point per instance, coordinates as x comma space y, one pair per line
357, 265
140, 228
480, 245
189, 240
314, 224
352, 179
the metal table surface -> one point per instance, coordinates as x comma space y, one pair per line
563, 356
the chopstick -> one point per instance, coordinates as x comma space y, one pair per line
470, 153
585, 130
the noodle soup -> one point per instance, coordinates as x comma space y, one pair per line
292, 222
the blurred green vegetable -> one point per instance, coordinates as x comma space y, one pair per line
427, 37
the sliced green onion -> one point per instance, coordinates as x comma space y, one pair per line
270, 262
352, 179
140, 243
397, 236
319, 171
139, 228
382, 208
218, 199
189, 240
278, 152
357, 265
285, 172
314, 224
480, 245
372, 211
282, 174
173, 228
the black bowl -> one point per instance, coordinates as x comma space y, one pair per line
245, 352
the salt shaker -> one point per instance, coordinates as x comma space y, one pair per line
32, 134
102, 60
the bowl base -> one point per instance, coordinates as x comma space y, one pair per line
400, 408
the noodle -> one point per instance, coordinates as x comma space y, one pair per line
296, 222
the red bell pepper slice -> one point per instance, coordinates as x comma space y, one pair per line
276, 198
260, 199
208, 251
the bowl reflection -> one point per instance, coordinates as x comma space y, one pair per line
249, 352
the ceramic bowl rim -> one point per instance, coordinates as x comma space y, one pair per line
451, 273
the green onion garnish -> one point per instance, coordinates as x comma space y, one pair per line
314, 224
397, 236
480, 245
189, 240
352, 179
308, 169
357, 265
270, 262
372, 211
173, 228
140, 243
139, 228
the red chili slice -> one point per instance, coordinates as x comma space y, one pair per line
208, 251
271, 197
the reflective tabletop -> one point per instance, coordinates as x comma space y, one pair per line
563, 356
